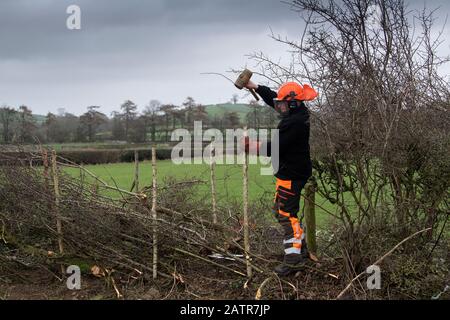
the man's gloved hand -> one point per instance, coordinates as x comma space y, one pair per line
251, 146
251, 85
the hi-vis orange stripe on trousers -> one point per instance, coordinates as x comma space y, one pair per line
286, 208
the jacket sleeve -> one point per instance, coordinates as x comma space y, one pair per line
290, 131
267, 95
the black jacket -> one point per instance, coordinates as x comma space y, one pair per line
294, 151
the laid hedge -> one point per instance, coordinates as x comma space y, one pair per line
91, 156
112, 156
146, 154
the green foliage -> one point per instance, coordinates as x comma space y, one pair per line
416, 277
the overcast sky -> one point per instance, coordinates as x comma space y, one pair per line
137, 49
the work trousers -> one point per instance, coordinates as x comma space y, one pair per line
286, 208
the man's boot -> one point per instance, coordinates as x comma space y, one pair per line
292, 263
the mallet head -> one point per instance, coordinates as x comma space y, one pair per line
243, 79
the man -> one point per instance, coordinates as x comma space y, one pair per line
295, 166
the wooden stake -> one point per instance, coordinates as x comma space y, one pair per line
310, 216
154, 215
95, 188
82, 180
245, 211
45, 163
213, 185
57, 204
136, 171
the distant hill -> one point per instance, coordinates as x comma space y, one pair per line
220, 109
40, 119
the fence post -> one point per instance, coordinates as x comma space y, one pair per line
245, 210
213, 184
46, 163
154, 215
136, 171
310, 215
57, 204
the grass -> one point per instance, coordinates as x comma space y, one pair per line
229, 181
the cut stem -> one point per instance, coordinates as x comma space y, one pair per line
310, 216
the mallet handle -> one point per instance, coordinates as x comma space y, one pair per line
254, 94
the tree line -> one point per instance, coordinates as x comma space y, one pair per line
153, 124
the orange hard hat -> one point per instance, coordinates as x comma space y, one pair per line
293, 90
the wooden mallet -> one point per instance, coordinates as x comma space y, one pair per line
243, 80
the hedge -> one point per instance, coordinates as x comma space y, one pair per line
94, 156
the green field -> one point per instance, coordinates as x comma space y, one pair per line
229, 181
219, 110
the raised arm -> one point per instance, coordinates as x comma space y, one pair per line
266, 93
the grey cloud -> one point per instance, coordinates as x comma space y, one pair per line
134, 49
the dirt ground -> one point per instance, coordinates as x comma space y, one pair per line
213, 283
24, 278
